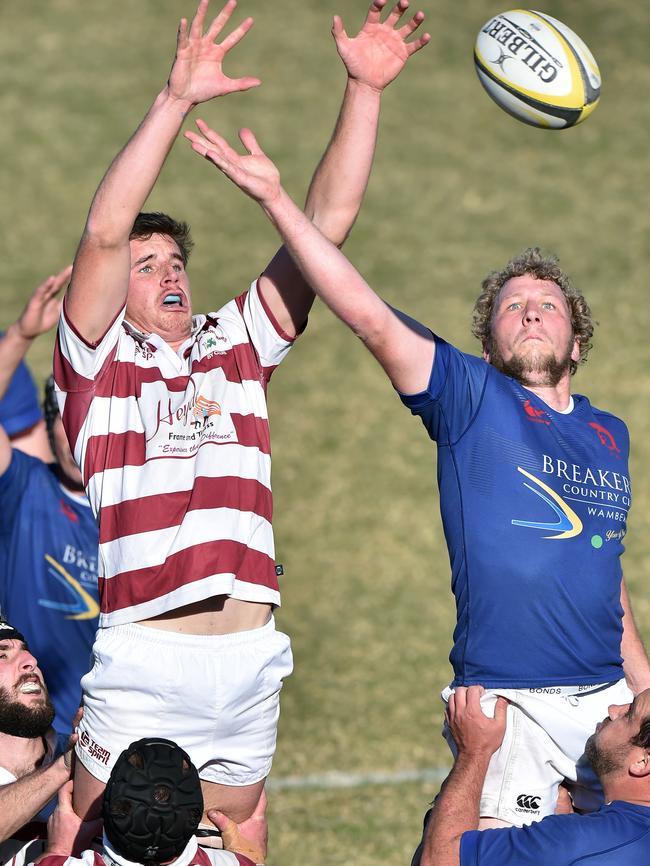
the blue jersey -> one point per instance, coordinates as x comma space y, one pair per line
534, 505
19, 408
616, 835
48, 576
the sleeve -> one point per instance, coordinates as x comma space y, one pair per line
77, 363
453, 395
533, 845
19, 408
248, 318
12, 486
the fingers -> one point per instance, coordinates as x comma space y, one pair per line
501, 710
182, 40
196, 28
338, 30
237, 35
65, 796
249, 141
396, 12
240, 84
221, 822
374, 13
221, 19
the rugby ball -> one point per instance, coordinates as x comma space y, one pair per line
537, 69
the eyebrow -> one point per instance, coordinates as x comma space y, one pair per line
147, 258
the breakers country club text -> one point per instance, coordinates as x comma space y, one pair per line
601, 485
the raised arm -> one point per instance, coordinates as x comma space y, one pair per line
100, 277
373, 59
40, 314
403, 347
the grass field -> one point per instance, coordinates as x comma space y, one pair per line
457, 188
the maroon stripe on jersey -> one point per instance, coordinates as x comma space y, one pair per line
161, 511
78, 400
252, 432
113, 451
239, 363
183, 568
243, 860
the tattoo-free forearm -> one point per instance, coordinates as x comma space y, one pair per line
456, 810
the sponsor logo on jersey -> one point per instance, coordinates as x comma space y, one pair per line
605, 438
533, 414
528, 803
567, 525
82, 605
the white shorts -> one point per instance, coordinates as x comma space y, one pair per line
217, 696
544, 743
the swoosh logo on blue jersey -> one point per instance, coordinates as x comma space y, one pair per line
84, 606
568, 524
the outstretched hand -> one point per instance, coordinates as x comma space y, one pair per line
42, 310
250, 837
475, 733
254, 173
197, 73
378, 53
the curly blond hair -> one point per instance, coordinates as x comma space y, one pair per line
532, 261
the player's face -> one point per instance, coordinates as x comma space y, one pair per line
531, 334
20, 676
609, 748
159, 297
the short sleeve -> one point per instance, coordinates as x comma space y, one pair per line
451, 400
77, 363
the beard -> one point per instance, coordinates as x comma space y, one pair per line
535, 368
604, 762
18, 720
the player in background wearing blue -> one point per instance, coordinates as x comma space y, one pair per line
618, 833
48, 537
534, 493
20, 413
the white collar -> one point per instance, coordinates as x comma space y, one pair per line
183, 859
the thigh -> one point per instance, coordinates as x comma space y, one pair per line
237, 802
523, 776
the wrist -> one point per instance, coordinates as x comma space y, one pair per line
168, 99
364, 88
18, 336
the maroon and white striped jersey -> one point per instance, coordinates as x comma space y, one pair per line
191, 856
175, 456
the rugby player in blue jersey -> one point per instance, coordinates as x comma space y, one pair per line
48, 536
618, 833
534, 494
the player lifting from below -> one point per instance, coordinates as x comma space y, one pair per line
167, 418
534, 494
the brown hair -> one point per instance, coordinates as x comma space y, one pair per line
147, 224
532, 261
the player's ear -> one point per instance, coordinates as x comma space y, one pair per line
641, 766
575, 352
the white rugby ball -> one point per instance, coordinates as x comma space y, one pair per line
537, 69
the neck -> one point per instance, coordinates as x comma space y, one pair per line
629, 789
556, 396
21, 755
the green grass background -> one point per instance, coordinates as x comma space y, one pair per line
457, 188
